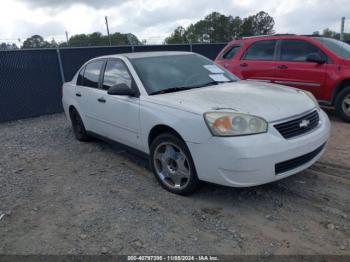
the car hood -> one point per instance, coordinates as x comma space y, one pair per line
269, 101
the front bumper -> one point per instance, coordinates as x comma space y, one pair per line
250, 160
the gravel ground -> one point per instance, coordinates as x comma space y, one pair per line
61, 196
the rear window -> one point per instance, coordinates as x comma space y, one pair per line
231, 52
262, 50
339, 48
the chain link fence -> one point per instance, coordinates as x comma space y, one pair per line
29, 83
31, 80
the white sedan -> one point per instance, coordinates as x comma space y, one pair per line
195, 120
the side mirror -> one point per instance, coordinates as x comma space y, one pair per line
121, 90
315, 58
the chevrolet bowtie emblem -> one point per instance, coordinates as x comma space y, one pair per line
304, 123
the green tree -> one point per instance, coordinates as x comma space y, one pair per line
263, 24
78, 40
217, 27
124, 39
6, 46
329, 33
247, 28
260, 24
198, 32
97, 39
178, 36
235, 26
36, 41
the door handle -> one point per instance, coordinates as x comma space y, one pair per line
101, 100
282, 67
244, 65
78, 94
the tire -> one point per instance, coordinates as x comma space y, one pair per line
78, 126
342, 104
172, 164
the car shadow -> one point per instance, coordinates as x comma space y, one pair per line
332, 114
206, 191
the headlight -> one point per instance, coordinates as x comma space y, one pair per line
234, 124
312, 97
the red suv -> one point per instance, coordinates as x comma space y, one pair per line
316, 64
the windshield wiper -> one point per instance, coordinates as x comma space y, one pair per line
214, 83
171, 90
211, 83
182, 88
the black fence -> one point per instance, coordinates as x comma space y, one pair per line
31, 80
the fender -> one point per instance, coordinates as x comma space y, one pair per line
341, 84
190, 126
68, 101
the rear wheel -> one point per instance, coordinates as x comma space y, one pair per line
342, 104
172, 165
78, 126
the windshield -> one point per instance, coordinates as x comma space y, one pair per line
340, 48
178, 71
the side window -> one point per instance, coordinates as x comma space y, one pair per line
92, 74
297, 50
262, 50
116, 73
231, 52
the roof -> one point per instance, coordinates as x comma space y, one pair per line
150, 54
275, 37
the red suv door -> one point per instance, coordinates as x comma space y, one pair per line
259, 61
294, 70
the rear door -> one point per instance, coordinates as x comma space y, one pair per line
259, 61
293, 69
87, 94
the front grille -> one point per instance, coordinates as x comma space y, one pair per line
298, 161
298, 126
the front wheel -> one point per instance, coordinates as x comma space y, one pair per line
172, 165
342, 104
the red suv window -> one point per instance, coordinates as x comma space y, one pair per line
229, 54
262, 50
298, 50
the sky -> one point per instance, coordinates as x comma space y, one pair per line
154, 20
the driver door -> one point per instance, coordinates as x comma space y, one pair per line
119, 114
